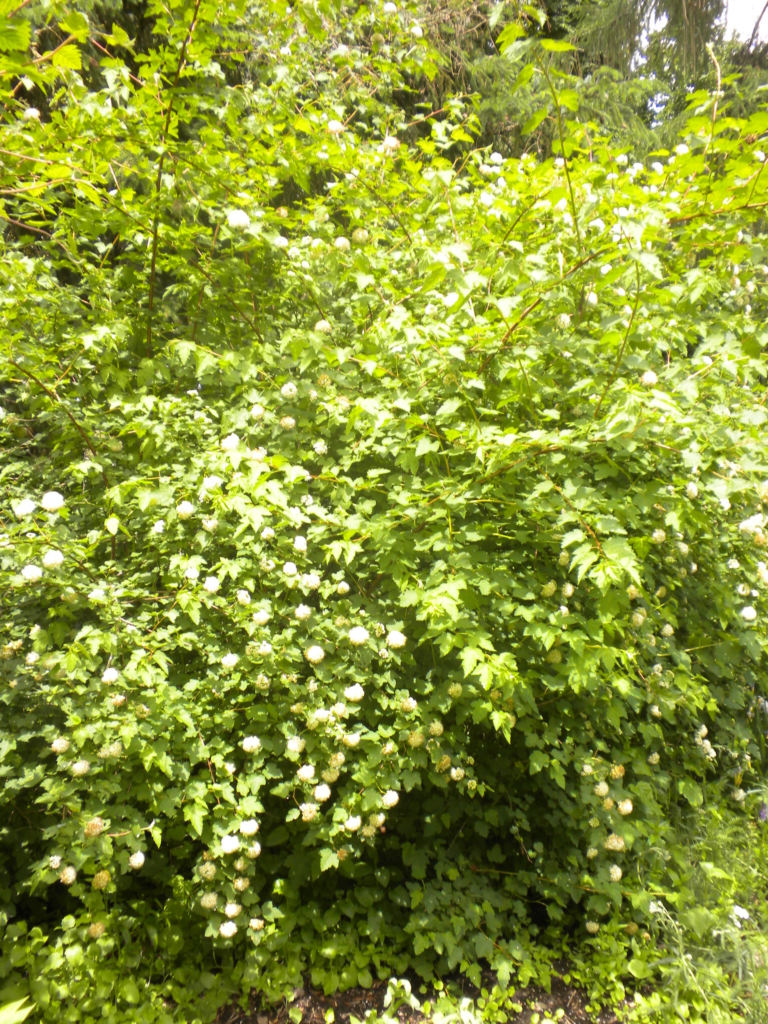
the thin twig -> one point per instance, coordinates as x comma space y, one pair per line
159, 179
55, 397
623, 345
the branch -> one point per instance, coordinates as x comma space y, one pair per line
52, 395
159, 179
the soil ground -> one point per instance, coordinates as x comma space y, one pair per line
357, 1001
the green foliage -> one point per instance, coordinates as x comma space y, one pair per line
382, 521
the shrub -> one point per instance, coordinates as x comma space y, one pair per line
382, 529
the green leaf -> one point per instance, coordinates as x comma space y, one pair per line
67, 57
691, 791
556, 45
14, 35
534, 121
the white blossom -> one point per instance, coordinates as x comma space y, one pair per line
353, 823
211, 584
68, 876
25, 508
624, 807
334, 127
110, 675
358, 635
667, 630
343, 588
300, 543
159, 526
185, 509
396, 639
80, 768
354, 693
658, 536
243, 597
748, 613
306, 773
303, 612
261, 617
592, 299
341, 243
692, 490
52, 559
295, 745
228, 929
290, 569
323, 327
310, 580
229, 661
52, 501
314, 654
351, 739
253, 851
31, 573
238, 219
210, 524
60, 745
649, 378
251, 744
264, 649
322, 792
320, 448
191, 573
592, 927
257, 412
390, 798
230, 844
289, 390
390, 144
136, 861
408, 705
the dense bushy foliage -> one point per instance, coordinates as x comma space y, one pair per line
383, 522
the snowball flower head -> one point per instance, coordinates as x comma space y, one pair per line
243, 597
211, 584
614, 843
60, 745
303, 612
295, 745
358, 635
615, 873
261, 617
52, 501
68, 876
80, 768
353, 823
563, 321
335, 127
390, 144
322, 792
658, 536
343, 588
25, 508
159, 526
341, 243
52, 559
227, 929
390, 798
110, 675
300, 543
249, 827
238, 219
649, 379
592, 299
232, 909
257, 412
251, 744
229, 844
624, 807
592, 927
230, 442
396, 639
323, 327
136, 861
320, 448
290, 569
310, 580
748, 613
667, 630
229, 661
314, 654
185, 509
390, 8
31, 573
692, 490
306, 773
191, 573
354, 693
289, 390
